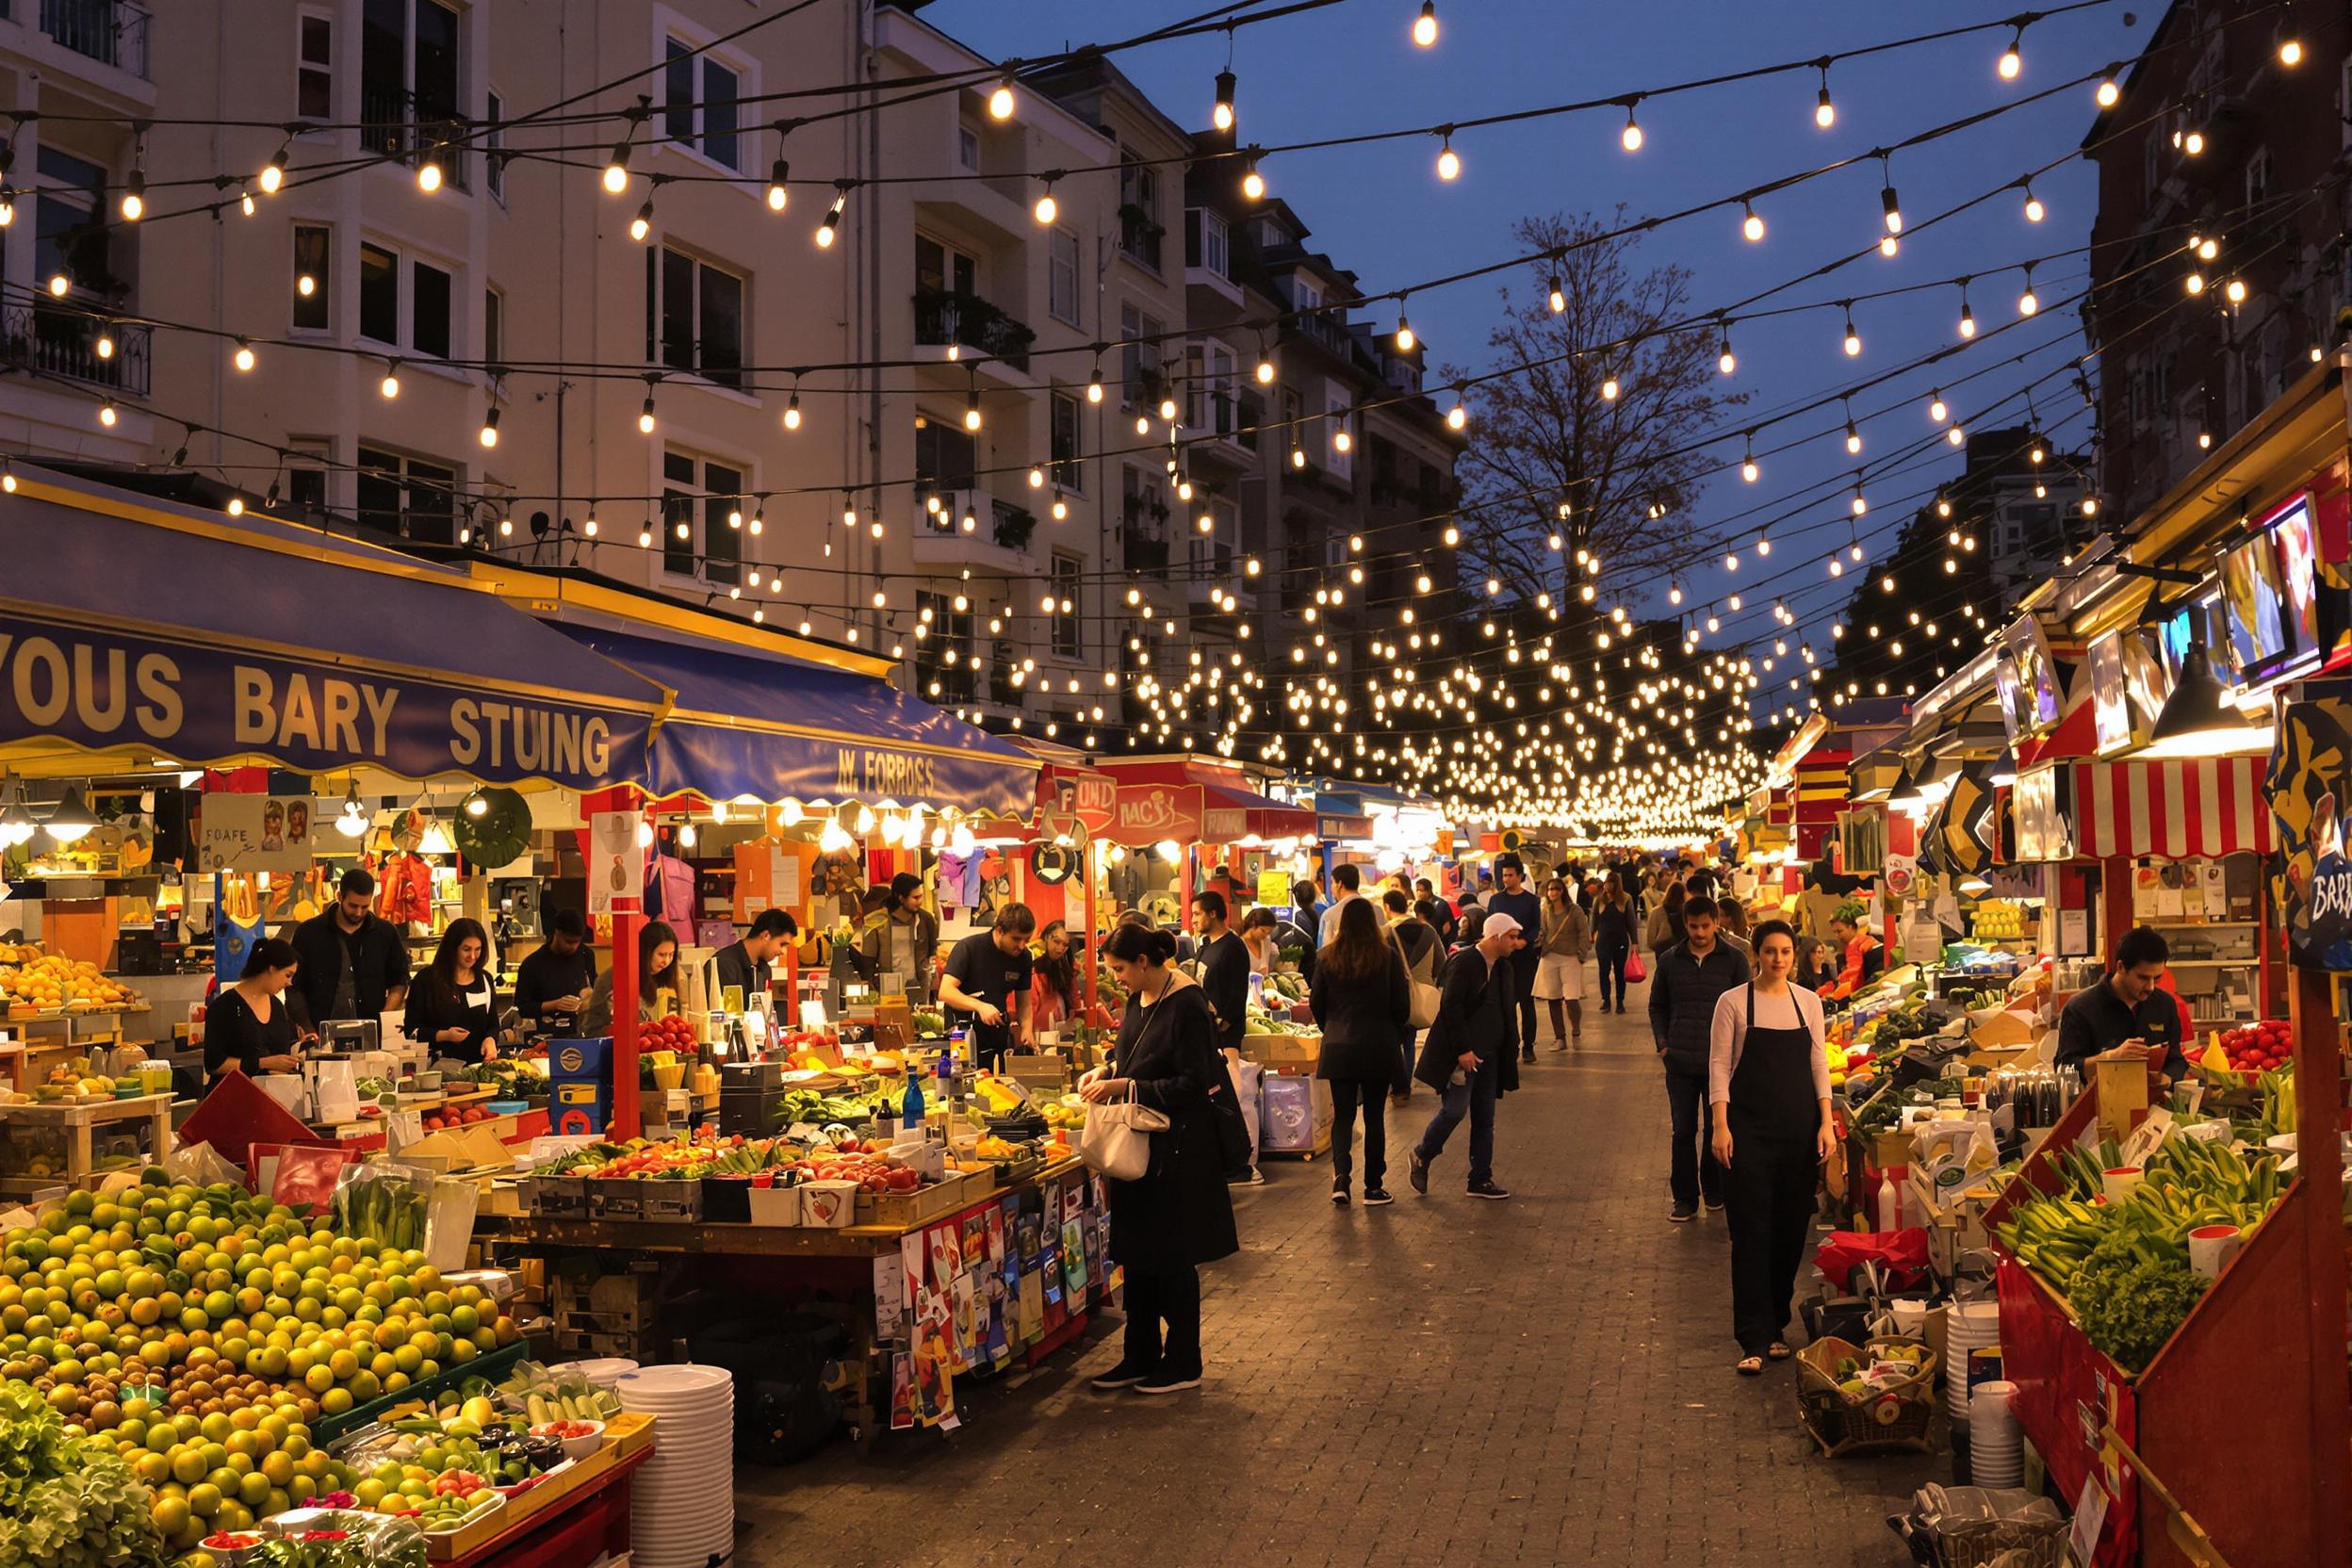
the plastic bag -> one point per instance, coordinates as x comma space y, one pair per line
199, 1165
301, 1176
1900, 1257
386, 1202
1636, 971
351, 1538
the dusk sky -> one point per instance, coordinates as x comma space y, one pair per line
1381, 211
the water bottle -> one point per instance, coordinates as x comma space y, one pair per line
910, 1110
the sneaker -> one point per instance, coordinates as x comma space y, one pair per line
1165, 1381
1122, 1376
1417, 1172
1714, 1205
1375, 1197
1257, 1177
1487, 1189
1527, 1056
1339, 1196
1684, 1213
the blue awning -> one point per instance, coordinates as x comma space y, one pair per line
747, 725
135, 629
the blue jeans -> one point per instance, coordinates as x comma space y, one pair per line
1476, 1100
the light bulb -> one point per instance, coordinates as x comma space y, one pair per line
2194, 144
244, 355
641, 224
390, 386
1936, 410
134, 196
1853, 342
305, 285
1457, 416
429, 173
1556, 297
1968, 320
828, 229
1955, 435
1001, 101
1749, 471
1222, 114
971, 413
1631, 135
1853, 439
2109, 94
2235, 290
104, 344
616, 168
490, 428
1252, 183
236, 507
2028, 302
105, 414
1892, 209
2033, 210
1425, 25
644, 416
1266, 372
2290, 53
1888, 245
59, 285
1047, 208
779, 187
792, 413
1750, 224
2195, 282
1610, 388
1726, 361
1404, 335
273, 174
2012, 57
1825, 112
1094, 387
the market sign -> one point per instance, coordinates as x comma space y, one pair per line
2039, 812
110, 690
2310, 784
1089, 797
1148, 813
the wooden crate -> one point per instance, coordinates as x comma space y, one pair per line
78, 1119
905, 1209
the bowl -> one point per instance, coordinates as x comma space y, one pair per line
425, 1083
576, 1443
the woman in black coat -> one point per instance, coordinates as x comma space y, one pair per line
1178, 1215
1365, 1003
452, 1007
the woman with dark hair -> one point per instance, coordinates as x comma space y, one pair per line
1177, 1216
246, 1027
454, 1005
1767, 1082
1666, 921
1613, 916
1364, 1001
657, 971
1257, 934
1052, 978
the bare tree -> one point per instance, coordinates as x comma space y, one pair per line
1547, 434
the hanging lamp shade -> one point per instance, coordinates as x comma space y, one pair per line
2199, 720
71, 817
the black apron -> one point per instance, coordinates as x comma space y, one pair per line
1771, 1088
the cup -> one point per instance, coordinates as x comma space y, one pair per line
2212, 1246
2118, 1181
828, 1205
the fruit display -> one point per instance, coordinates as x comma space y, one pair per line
1068, 1111
2254, 1047
333, 1538
1288, 986
2002, 919
672, 1033
388, 1207
549, 1394
438, 1122
929, 1023
2124, 1268
69, 1500
50, 982
196, 1331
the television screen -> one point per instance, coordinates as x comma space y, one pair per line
2252, 594
2111, 698
2299, 570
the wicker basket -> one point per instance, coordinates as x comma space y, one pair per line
1894, 1416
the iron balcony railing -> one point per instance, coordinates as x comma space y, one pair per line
945, 317
112, 32
392, 124
65, 344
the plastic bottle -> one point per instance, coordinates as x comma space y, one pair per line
910, 1112
1889, 1205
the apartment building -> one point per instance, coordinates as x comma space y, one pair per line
2216, 137
870, 408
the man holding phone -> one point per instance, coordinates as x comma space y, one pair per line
2127, 1011
987, 980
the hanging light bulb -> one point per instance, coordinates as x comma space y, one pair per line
2194, 144
2033, 210
1252, 183
644, 416
2109, 93
829, 229
971, 409
1448, 161
2027, 302
490, 428
2290, 52
1610, 388
2194, 282
243, 357
615, 168
641, 224
1094, 386
1047, 208
1221, 115
1955, 435
1266, 368
1825, 112
134, 196
102, 345
428, 170
8, 204
1854, 338
1968, 317
1860, 504
1853, 439
1937, 409
1750, 224
1425, 25
1404, 335
2012, 57
1001, 101
60, 285
2235, 291
1458, 417
389, 387
1631, 135
1725, 361
791, 411
779, 186
1555, 296
1748, 469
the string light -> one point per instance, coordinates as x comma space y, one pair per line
1405, 339
1825, 112
1252, 183
1609, 389
615, 167
2012, 57
1222, 115
1425, 25
389, 387
1094, 386
1968, 317
1748, 469
644, 416
641, 224
1631, 135
2290, 52
1555, 296
490, 427
828, 230
1001, 101
791, 411
134, 195
1937, 409
1725, 361
1448, 161
779, 176
1888, 203
243, 357
1047, 208
2109, 93
272, 175
428, 170
1854, 338
2027, 302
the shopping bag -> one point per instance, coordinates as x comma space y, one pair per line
1636, 971
1118, 1137
1235, 1146
1898, 1258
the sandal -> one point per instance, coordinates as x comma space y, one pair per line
1749, 1366
1779, 1350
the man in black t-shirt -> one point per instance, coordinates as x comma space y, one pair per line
1224, 967
987, 982
549, 985
2126, 1008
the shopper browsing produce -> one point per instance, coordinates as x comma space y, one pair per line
353, 965
1362, 1001
900, 936
1257, 934
1768, 1085
553, 983
1471, 1054
1691, 976
656, 972
453, 1008
2127, 1011
1177, 1216
247, 1028
1224, 967
746, 964
988, 981
1053, 979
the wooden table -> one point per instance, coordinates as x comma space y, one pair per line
77, 1118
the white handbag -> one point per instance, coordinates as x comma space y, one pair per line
1118, 1137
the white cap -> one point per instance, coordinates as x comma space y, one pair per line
1499, 924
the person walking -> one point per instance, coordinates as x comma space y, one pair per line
1768, 1085
1613, 917
1364, 1003
1471, 1054
1566, 943
1177, 1216
1666, 921
1513, 897
1349, 881
1424, 952
1692, 976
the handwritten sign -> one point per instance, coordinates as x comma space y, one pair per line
250, 833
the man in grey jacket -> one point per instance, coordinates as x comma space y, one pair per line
1691, 976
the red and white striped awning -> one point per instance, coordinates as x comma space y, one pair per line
2209, 806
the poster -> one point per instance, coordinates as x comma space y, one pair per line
2311, 775
890, 1300
250, 833
615, 861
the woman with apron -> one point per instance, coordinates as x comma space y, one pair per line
1769, 1083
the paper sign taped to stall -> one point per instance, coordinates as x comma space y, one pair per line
249, 833
615, 861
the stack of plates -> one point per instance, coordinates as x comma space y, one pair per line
1996, 1447
682, 1499
1967, 1326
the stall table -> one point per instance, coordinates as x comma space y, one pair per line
77, 1121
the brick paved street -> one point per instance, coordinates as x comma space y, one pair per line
1547, 1381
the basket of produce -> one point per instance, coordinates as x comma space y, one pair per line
1856, 1399
1968, 1527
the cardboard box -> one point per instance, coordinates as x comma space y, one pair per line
1042, 1070
1289, 1055
614, 1200
674, 1202
556, 1196
1891, 1151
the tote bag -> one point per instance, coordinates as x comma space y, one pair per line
1118, 1140
1636, 971
1425, 993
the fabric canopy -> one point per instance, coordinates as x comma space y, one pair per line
130, 629
1230, 813
747, 725
2208, 806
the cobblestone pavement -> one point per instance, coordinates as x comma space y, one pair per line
1545, 1380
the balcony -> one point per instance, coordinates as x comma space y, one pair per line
1320, 328
393, 123
112, 32
999, 538
62, 344
948, 318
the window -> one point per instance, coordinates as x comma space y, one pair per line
313, 69
306, 479
1341, 458
494, 146
1304, 294
942, 268
1140, 358
944, 650
968, 148
313, 254
2257, 183
493, 325
1208, 243
1141, 507
69, 237
1069, 472
429, 311
1062, 580
1139, 227
710, 124
945, 458
379, 294
408, 497
694, 315
1062, 276
1212, 552
1209, 369
410, 88
696, 490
